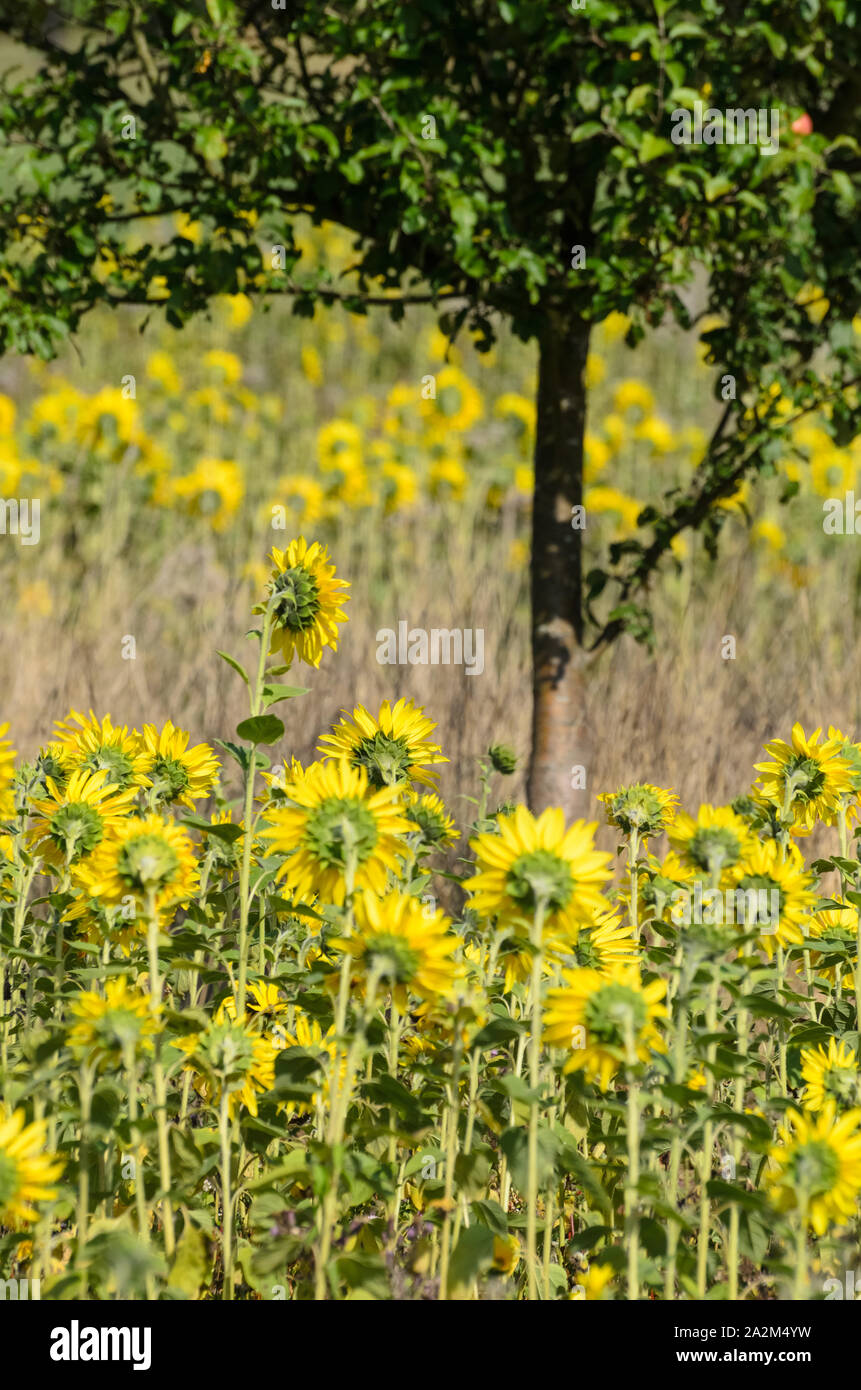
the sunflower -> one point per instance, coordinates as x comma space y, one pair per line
263, 1002
640, 808
97, 745
410, 947
55, 761
229, 1058
172, 770
27, 1173
816, 1164
335, 811
394, 748
830, 1074
7, 774
836, 924
605, 941
807, 779
595, 1014
147, 860
430, 817
536, 860
714, 843
305, 599
74, 821
111, 1027
779, 883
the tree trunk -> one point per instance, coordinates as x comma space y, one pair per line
561, 744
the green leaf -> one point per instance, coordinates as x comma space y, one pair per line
471, 1257
652, 147
191, 1267
262, 728
273, 693
231, 661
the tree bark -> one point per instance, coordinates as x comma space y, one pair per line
561, 741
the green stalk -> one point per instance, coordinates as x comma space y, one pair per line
450, 1157
534, 1082
708, 1141
734, 1213
250, 777
85, 1092
155, 993
632, 1197
226, 1196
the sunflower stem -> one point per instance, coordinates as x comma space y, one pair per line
534, 1082
632, 1186
155, 997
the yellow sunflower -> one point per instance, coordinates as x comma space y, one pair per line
430, 817
714, 843
604, 942
7, 774
306, 601
394, 748
598, 1015
27, 1172
411, 947
73, 821
807, 779
336, 819
536, 860
640, 808
831, 1074
97, 745
783, 894
112, 1026
263, 1001
147, 860
172, 770
835, 924
816, 1164
230, 1058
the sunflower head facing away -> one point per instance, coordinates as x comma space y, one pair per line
816, 1166
430, 818
305, 598
148, 861
713, 844
408, 945
773, 891
230, 1059
534, 861
173, 771
807, 780
606, 1019
394, 749
111, 1028
831, 1074
27, 1172
71, 822
640, 808
335, 826
95, 745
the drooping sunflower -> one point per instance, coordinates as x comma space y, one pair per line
830, 1074
230, 1057
409, 945
535, 860
306, 599
783, 894
73, 821
96, 745
816, 1163
640, 808
594, 1014
429, 815
336, 819
713, 844
173, 771
145, 860
394, 748
27, 1172
112, 1026
807, 779
7, 774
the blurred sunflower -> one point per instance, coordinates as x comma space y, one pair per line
27, 1172
640, 807
306, 602
336, 817
228, 1058
394, 748
775, 879
430, 817
831, 1074
113, 1026
714, 843
816, 1164
97, 745
7, 774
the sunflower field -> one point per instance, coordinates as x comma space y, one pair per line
265, 1035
